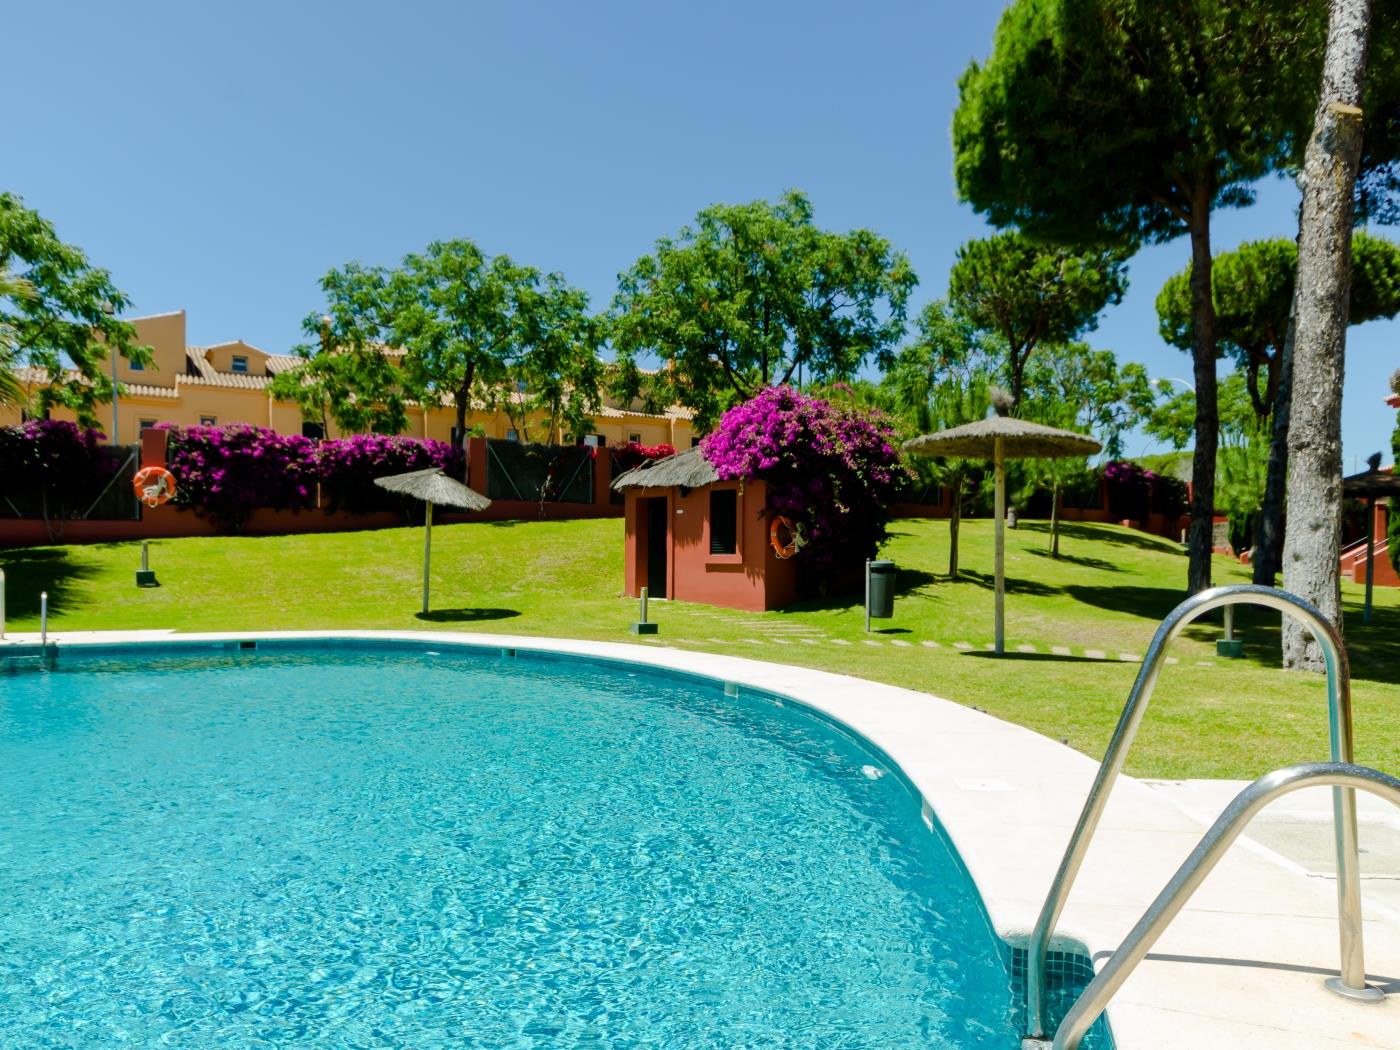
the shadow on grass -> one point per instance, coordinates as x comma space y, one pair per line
1013, 584
1077, 559
465, 615
28, 572
908, 583
1041, 657
1093, 533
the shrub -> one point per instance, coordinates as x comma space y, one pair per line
348, 466
1129, 490
834, 470
227, 472
53, 468
626, 457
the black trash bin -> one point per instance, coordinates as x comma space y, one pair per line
881, 600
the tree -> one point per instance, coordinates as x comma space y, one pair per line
60, 313
752, 296
450, 325
942, 379
11, 388
1074, 387
1114, 122
1031, 294
552, 370
1394, 517
349, 374
1320, 303
1252, 288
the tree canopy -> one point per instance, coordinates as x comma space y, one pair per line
1116, 122
1030, 293
450, 325
756, 295
59, 315
1252, 288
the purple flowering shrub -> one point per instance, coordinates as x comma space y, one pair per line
831, 469
1133, 491
348, 466
227, 472
53, 468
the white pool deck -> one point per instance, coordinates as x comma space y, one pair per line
1241, 967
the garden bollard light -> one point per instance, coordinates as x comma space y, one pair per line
1229, 646
144, 576
43, 617
2, 603
642, 626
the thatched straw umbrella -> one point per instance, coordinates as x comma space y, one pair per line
1368, 485
1001, 438
688, 470
432, 486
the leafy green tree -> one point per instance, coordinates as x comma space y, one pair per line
942, 379
1075, 387
349, 374
1114, 122
756, 295
1252, 288
11, 388
60, 315
552, 369
1031, 293
1394, 519
450, 326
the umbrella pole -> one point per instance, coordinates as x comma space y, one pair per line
1370, 554
1000, 511
427, 550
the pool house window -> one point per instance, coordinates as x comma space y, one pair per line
240, 363
724, 521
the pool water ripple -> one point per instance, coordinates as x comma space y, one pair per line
367, 849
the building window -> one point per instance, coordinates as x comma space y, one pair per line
240, 363
136, 366
208, 421
314, 431
694, 441
511, 435
146, 424
724, 521
635, 439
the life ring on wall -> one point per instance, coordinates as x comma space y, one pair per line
785, 548
154, 486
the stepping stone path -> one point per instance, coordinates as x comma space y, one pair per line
899, 642
1025, 649
964, 646
930, 644
1095, 654
870, 641
1130, 658
1061, 650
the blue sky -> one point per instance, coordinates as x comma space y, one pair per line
220, 158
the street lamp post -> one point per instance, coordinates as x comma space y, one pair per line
115, 439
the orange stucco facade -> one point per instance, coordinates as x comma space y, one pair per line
229, 383
752, 578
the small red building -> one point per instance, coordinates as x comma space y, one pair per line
693, 537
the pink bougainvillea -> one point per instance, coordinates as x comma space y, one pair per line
832, 469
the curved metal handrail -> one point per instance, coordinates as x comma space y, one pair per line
1094, 999
1353, 968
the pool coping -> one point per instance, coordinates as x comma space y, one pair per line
1242, 965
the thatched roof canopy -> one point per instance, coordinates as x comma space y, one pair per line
688, 469
1373, 482
433, 486
1020, 440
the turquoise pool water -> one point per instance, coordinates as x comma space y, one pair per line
368, 847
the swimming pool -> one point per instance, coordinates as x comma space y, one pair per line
348, 845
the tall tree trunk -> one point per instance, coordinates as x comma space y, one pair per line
954, 520
1055, 518
1269, 546
464, 399
1200, 536
1321, 300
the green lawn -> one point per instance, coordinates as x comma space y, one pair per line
1108, 592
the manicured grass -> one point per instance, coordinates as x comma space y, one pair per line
1106, 593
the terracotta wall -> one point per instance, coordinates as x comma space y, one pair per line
754, 578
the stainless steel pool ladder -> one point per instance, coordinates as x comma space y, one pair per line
1352, 982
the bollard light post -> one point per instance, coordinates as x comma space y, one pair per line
643, 626
144, 576
43, 617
